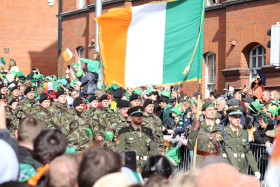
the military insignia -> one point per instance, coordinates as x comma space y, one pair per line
118, 142
64, 92
32, 89
96, 98
139, 109
152, 102
5, 100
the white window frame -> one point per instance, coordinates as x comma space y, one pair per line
253, 70
81, 54
214, 73
211, 2
82, 3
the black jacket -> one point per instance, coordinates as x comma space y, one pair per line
89, 83
261, 137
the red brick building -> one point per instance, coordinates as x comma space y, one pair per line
28, 34
235, 40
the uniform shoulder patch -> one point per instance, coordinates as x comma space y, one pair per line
124, 130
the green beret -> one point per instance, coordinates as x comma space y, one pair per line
235, 111
207, 104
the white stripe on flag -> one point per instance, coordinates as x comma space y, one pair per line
145, 45
69, 52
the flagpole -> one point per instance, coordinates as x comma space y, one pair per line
197, 117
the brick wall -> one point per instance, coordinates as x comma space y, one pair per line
245, 23
29, 30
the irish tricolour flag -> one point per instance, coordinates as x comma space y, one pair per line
152, 44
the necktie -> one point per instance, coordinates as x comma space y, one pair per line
138, 132
235, 133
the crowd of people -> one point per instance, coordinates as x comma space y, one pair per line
73, 131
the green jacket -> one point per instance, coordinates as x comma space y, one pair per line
166, 113
144, 146
44, 115
203, 140
23, 107
237, 150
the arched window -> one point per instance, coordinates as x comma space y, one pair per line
210, 73
81, 54
257, 59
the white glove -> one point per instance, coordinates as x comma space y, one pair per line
257, 175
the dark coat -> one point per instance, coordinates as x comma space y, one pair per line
89, 83
261, 137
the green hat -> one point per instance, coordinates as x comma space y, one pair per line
137, 91
255, 106
177, 109
75, 64
49, 78
166, 93
273, 109
207, 104
20, 74
235, 111
107, 88
191, 99
91, 66
79, 73
55, 78
232, 102
114, 87
127, 95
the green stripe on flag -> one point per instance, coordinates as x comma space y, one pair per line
182, 26
3, 62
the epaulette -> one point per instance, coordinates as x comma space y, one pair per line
124, 130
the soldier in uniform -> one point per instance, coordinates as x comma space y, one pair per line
60, 106
92, 105
208, 134
153, 122
237, 149
109, 127
12, 120
23, 107
41, 111
104, 109
3, 89
137, 138
134, 100
79, 131
14, 91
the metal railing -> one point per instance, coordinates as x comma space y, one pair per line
258, 150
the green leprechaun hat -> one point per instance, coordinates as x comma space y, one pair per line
273, 109
255, 106
166, 93
177, 109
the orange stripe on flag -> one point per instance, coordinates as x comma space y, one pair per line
113, 28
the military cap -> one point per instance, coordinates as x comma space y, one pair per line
248, 99
207, 104
77, 101
13, 100
91, 98
136, 111
147, 102
14, 88
232, 102
2, 85
61, 92
123, 104
44, 97
3, 97
235, 111
134, 97
104, 97
28, 89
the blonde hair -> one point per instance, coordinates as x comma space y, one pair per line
187, 103
275, 94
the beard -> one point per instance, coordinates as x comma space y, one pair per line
137, 121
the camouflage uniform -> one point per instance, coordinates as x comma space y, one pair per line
23, 107
44, 115
57, 108
204, 145
153, 122
13, 121
79, 131
111, 124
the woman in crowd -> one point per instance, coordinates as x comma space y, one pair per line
265, 124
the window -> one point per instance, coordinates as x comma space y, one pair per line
211, 2
210, 74
81, 54
257, 59
82, 3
